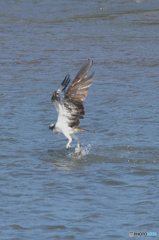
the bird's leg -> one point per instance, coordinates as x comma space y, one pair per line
68, 144
77, 139
69, 140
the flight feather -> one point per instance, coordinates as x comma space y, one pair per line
68, 99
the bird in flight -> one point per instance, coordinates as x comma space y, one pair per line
68, 101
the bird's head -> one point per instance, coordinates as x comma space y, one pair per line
52, 126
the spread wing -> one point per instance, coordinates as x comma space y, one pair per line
58, 95
69, 102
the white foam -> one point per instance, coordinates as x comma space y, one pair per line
82, 151
86, 150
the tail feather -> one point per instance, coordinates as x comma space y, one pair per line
89, 131
78, 130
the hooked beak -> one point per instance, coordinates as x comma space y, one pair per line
51, 126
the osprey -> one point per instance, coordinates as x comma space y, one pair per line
68, 102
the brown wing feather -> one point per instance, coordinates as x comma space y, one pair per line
80, 83
76, 94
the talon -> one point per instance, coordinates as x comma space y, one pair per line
67, 147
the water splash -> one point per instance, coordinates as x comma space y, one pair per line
82, 151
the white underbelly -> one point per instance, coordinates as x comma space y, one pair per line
62, 128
